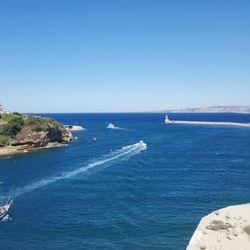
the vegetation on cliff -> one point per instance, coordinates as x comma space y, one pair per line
32, 131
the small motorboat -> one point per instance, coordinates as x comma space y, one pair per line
142, 144
111, 125
4, 209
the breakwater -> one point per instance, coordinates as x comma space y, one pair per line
239, 124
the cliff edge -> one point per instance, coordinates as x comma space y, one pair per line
224, 229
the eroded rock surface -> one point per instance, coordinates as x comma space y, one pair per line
225, 229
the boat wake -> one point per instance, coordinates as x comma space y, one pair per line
118, 128
120, 153
6, 218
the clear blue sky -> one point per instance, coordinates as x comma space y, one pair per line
123, 55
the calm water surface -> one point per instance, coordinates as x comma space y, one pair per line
112, 194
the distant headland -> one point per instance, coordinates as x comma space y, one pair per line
213, 109
21, 133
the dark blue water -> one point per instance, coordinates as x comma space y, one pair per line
100, 195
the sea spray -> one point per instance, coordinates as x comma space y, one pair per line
124, 151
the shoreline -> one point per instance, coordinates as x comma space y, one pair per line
238, 124
13, 150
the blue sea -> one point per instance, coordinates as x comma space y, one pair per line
115, 193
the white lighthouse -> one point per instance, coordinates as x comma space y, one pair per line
167, 119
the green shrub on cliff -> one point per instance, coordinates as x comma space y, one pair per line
39, 124
3, 140
10, 116
13, 125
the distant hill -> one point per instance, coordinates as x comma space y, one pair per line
213, 109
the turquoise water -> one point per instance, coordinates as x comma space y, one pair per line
115, 194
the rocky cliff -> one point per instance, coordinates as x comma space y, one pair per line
224, 229
19, 133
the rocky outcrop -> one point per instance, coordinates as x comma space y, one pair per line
34, 133
41, 139
74, 128
224, 229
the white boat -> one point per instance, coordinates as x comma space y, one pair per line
4, 209
111, 125
142, 144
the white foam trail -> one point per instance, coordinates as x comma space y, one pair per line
124, 151
116, 128
6, 218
